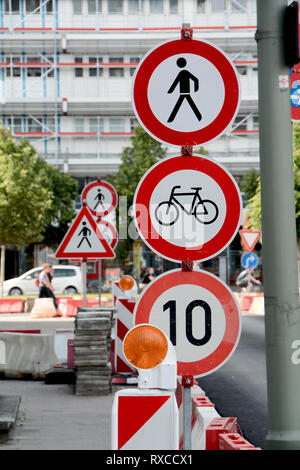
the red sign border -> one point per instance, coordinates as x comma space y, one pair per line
107, 186
219, 289
233, 201
84, 212
142, 77
258, 234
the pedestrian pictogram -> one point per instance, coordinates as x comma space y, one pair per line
84, 239
250, 238
199, 314
100, 197
185, 92
187, 208
183, 80
85, 232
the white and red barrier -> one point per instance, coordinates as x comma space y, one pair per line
11, 306
208, 427
144, 419
252, 303
124, 322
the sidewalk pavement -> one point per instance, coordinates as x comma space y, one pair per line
52, 417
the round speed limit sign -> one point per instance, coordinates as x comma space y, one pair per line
199, 314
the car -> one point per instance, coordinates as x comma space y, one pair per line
67, 280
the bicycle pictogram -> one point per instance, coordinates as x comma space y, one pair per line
205, 211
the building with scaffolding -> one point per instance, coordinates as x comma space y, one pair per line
67, 68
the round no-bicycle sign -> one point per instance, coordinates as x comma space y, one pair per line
199, 314
187, 208
185, 92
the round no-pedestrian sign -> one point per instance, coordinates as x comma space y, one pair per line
185, 92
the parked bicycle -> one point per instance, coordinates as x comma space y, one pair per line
204, 210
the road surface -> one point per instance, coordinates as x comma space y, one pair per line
239, 388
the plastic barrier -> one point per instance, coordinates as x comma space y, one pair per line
11, 306
67, 307
258, 305
220, 426
144, 419
235, 442
28, 354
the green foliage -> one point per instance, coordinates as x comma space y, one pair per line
249, 183
32, 193
254, 206
136, 160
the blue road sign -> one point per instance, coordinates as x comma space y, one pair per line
249, 260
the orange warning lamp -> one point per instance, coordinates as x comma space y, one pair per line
145, 346
151, 352
126, 282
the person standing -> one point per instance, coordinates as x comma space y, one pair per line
45, 286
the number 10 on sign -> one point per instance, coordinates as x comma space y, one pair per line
199, 314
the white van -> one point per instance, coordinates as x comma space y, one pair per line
67, 280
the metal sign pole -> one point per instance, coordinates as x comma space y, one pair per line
84, 280
282, 311
187, 383
100, 280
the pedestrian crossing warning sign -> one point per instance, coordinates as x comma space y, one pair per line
84, 239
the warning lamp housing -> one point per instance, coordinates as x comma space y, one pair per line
150, 351
129, 286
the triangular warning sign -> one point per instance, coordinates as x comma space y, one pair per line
84, 239
250, 238
134, 412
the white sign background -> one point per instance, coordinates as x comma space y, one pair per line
187, 231
209, 98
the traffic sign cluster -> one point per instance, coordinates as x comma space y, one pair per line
188, 208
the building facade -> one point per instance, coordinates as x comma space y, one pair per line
67, 68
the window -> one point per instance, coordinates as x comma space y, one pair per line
94, 6
35, 124
135, 6
13, 71
93, 70
116, 72
116, 60
115, 6
12, 6
240, 5
33, 275
34, 72
240, 124
77, 7
242, 69
95, 124
79, 124
133, 124
255, 122
173, 6
64, 272
156, 6
218, 5
78, 71
15, 123
32, 6
49, 126
116, 125
49, 6
200, 6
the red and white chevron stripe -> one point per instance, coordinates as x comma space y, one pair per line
124, 322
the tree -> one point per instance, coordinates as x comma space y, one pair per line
28, 199
136, 160
249, 183
253, 209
